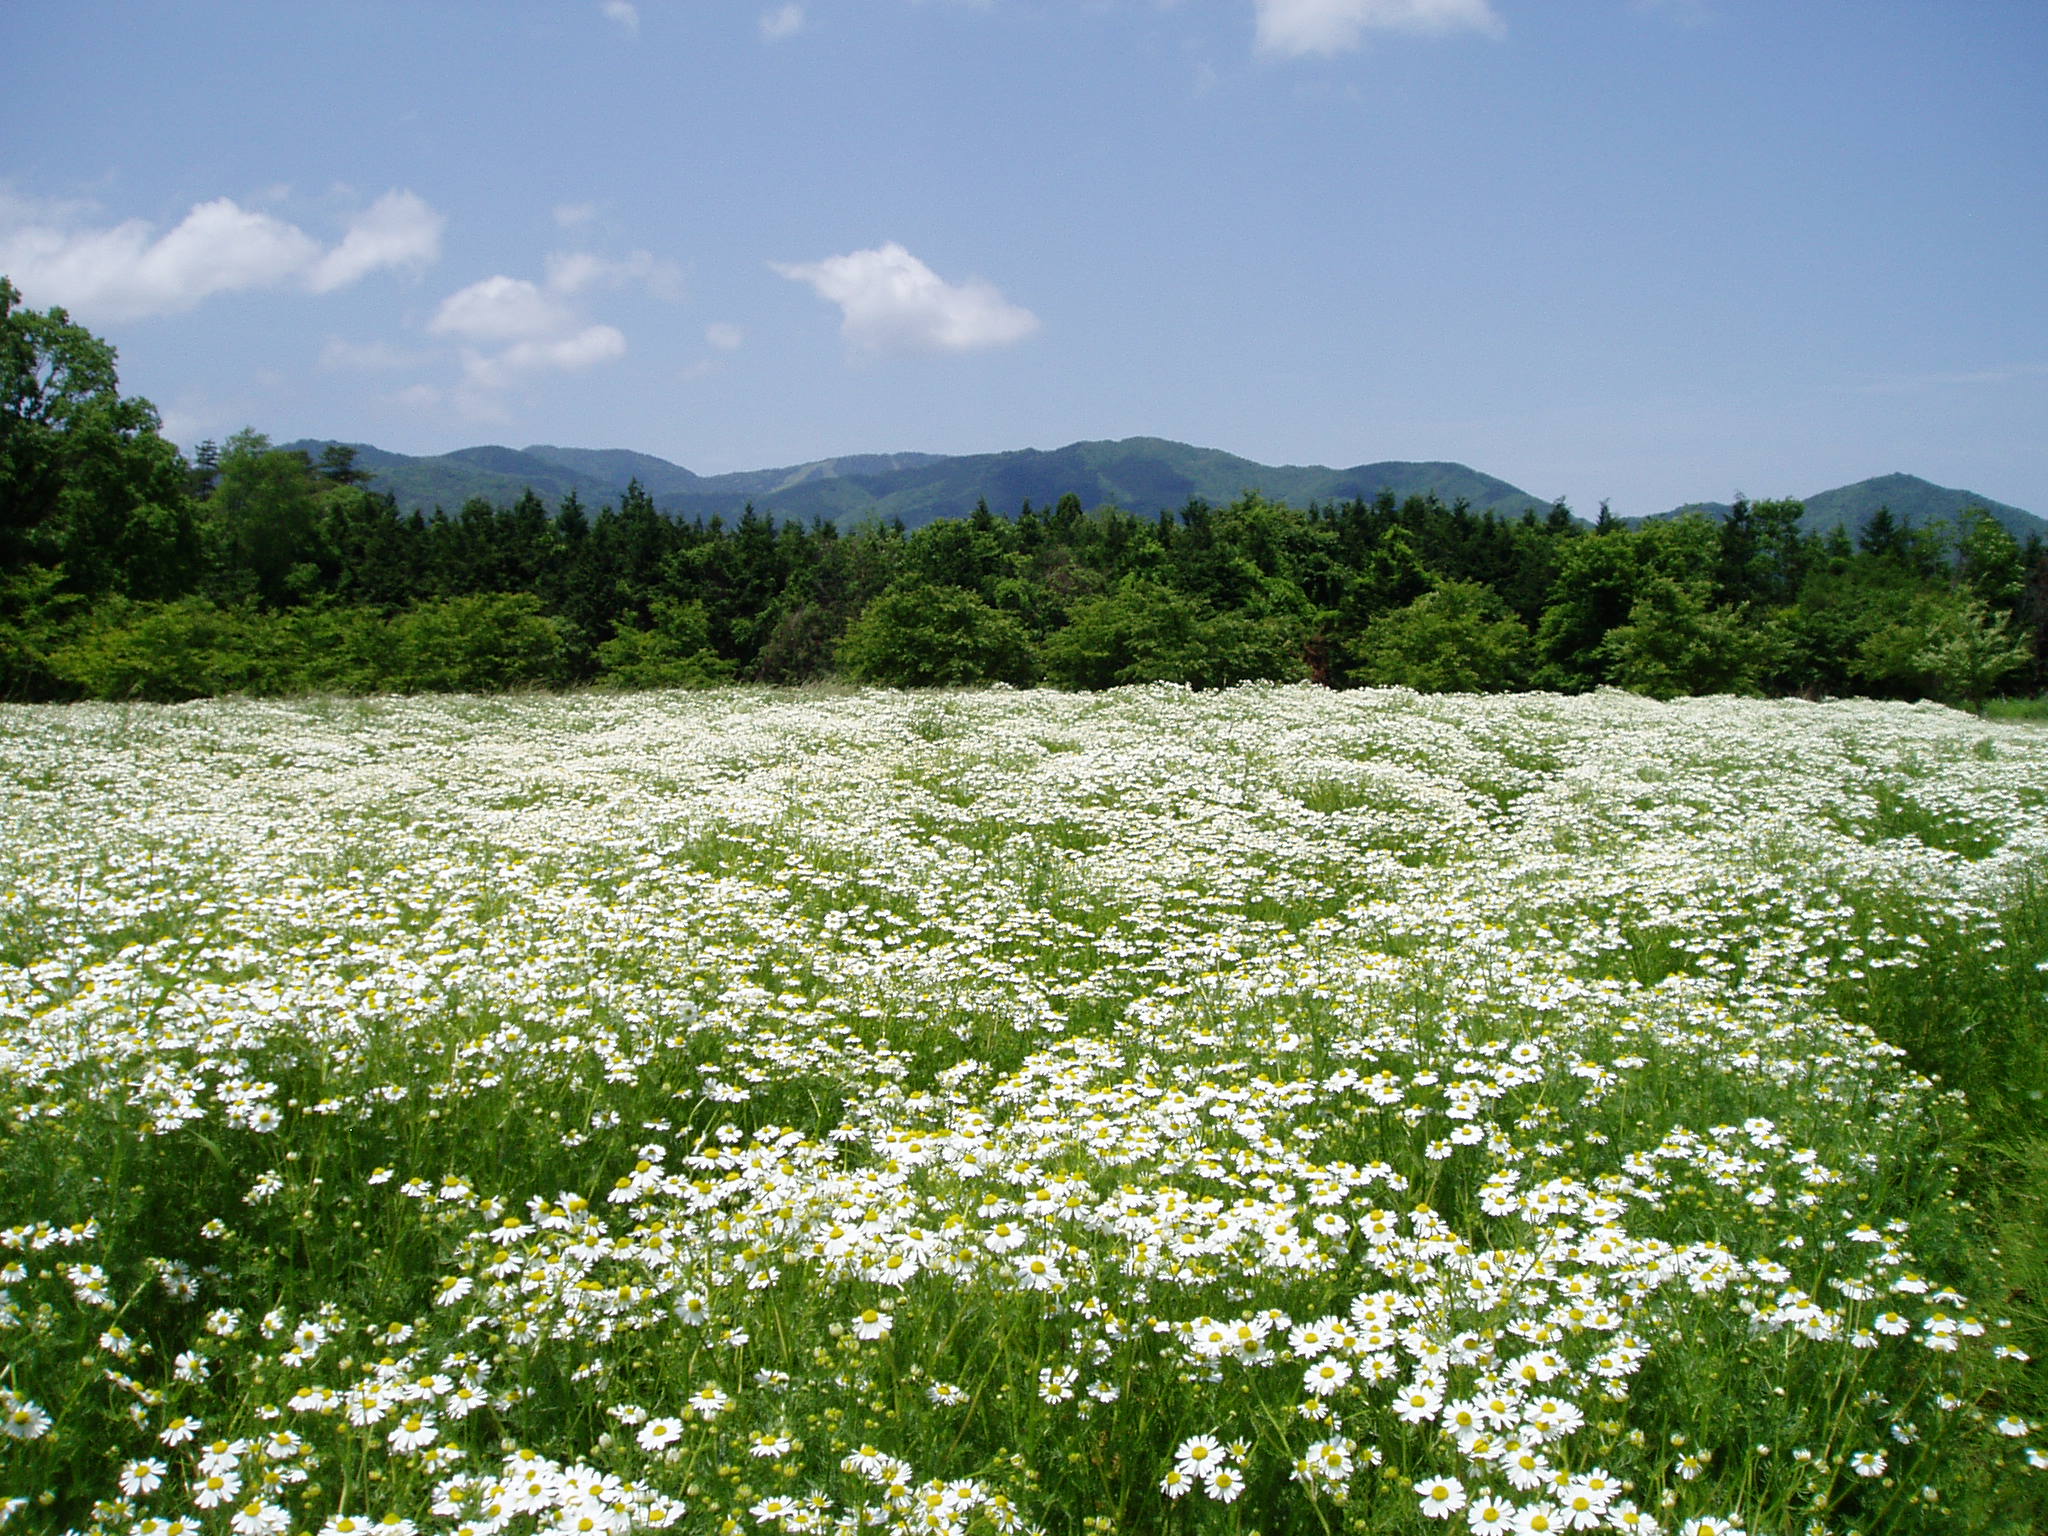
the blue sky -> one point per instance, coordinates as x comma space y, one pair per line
1646, 250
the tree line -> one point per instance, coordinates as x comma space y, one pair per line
128, 571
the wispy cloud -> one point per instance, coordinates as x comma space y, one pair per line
398, 230
582, 348
1689, 13
1906, 383
129, 270
625, 14
510, 329
1296, 27
725, 336
367, 356
575, 271
782, 21
890, 302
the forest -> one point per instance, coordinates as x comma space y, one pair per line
129, 571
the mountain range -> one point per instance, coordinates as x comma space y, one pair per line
1915, 502
1139, 474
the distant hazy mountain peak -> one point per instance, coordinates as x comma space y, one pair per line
1139, 474
1912, 500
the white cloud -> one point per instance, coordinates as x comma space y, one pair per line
783, 21
513, 328
129, 270
501, 309
569, 215
1331, 26
398, 230
625, 13
580, 349
367, 356
185, 427
724, 335
574, 271
892, 302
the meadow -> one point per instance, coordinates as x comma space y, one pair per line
1270, 1109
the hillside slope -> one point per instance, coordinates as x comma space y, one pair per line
1139, 474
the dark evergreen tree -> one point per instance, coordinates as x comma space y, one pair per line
338, 464
1882, 537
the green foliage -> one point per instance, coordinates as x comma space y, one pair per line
800, 645
194, 648
1943, 645
1676, 643
34, 610
182, 650
934, 637
262, 524
1456, 639
1988, 560
52, 373
1394, 573
1971, 1013
2016, 709
1145, 631
87, 482
1816, 638
1761, 555
1597, 583
479, 644
674, 651
969, 553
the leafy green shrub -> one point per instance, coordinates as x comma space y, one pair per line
1946, 647
1146, 632
800, 645
933, 636
673, 652
195, 648
479, 644
333, 650
1457, 639
1675, 642
167, 652
33, 618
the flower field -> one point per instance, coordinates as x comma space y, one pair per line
1267, 1110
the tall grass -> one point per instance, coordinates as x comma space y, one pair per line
2035, 708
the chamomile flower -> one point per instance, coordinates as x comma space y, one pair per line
1198, 1455
143, 1477
1325, 1376
1225, 1485
659, 1434
708, 1402
1441, 1497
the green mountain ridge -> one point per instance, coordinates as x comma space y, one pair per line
1139, 474
1915, 502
